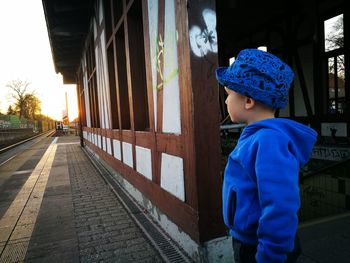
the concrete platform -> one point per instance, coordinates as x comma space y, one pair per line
55, 207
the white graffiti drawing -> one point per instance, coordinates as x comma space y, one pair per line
204, 40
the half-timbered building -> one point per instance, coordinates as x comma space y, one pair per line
151, 109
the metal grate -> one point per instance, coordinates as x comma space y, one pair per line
167, 248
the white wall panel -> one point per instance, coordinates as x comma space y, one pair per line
127, 154
171, 95
98, 138
104, 146
116, 150
144, 162
153, 31
95, 28
172, 175
100, 11
99, 88
104, 75
86, 94
109, 148
101, 75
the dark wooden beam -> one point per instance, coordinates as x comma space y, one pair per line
159, 87
302, 82
206, 121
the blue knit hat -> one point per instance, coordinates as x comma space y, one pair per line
259, 75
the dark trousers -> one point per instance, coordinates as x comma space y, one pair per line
245, 253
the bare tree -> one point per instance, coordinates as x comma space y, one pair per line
19, 89
334, 40
26, 103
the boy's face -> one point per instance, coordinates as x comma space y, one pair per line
235, 105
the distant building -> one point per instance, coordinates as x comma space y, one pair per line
150, 105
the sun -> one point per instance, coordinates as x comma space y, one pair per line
54, 102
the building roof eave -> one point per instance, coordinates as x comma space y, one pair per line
68, 23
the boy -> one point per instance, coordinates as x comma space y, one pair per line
260, 188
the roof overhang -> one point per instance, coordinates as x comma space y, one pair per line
68, 23
242, 20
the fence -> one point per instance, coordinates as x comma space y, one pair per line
326, 191
14, 129
15, 122
324, 184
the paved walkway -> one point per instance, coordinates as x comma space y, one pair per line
326, 240
61, 210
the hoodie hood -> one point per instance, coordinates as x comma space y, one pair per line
302, 137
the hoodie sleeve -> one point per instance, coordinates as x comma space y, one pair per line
277, 170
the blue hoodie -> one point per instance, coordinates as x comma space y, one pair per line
260, 188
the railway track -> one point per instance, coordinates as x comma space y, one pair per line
9, 152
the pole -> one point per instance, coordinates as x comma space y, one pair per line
67, 107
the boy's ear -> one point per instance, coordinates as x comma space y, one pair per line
249, 103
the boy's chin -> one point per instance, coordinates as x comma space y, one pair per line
237, 121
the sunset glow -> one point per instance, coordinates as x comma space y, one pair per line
26, 55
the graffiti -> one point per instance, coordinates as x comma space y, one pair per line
330, 153
160, 57
204, 40
5, 124
334, 129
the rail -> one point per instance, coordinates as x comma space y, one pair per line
304, 176
232, 126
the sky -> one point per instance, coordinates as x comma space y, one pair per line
25, 54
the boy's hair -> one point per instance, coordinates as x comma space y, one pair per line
259, 75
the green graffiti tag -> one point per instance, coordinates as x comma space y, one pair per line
159, 58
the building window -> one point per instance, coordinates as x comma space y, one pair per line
122, 78
117, 10
334, 33
112, 87
335, 61
125, 40
108, 18
92, 84
137, 67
